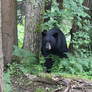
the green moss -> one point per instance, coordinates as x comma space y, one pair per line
45, 75
48, 76
70, 76
39, 90
39, 27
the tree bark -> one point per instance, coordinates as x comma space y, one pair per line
72, 31
9, 28
33, 18
1, 58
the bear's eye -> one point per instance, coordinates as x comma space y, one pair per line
55, 35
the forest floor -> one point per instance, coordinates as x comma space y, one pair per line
49, 83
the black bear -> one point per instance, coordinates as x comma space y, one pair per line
53, 42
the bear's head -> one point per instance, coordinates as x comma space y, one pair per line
49, 40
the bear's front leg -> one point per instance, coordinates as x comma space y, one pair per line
48, 64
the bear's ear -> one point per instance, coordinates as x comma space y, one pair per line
55, 35
44, 32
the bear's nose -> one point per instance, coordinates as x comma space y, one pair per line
48, 46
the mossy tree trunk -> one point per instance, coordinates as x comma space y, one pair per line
72, 31
1, 58
9, 28
33, 20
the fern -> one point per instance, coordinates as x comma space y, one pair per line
28, 61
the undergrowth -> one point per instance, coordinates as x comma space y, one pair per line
73, 65
28, 61
7, 81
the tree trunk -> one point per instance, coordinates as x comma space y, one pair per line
32, 35
9, 28
72, 31
1, 58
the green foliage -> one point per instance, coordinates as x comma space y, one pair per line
12, 74
7, 82
20, 21
13, 70
53, 15
39, 90
57, 17
73, 65
28, 61
81, 38
20, 34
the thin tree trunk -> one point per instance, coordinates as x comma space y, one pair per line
72, 31
1, 58
32, 35
9, 28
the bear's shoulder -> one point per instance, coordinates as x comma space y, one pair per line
55, 30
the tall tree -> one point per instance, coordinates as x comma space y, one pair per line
1, 57
9, 28
33, 19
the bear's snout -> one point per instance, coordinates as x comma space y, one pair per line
48, 46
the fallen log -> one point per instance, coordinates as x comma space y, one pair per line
67, 85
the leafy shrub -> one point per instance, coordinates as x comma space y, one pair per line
81, 39
74, 64
28, 61
7, 82
57, 17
